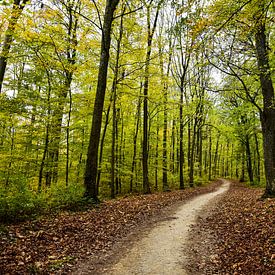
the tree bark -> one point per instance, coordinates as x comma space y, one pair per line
92, 154
268, 113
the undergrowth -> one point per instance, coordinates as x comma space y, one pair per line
18, 202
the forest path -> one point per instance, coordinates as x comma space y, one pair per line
160, 251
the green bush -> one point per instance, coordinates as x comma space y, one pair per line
18, 202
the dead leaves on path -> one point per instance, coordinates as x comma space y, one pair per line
56, 244
241, 229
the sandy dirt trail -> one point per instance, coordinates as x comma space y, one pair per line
160, 251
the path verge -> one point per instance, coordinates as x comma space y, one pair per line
235, 236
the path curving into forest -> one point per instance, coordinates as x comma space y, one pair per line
160, 251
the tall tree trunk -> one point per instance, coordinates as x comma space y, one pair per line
192, 154
114, 93
172, 152
248, 159
135, 143
156, 159
92, 154
210, 156
181, 156
215, 169
145, 151
102, 143
258, 159
268, 113
68, 136
17, 10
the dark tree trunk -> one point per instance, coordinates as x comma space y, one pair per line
268, 113
92, 155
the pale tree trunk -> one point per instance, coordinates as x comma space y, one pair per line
92, 154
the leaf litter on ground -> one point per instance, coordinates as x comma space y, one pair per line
57, 244
236, 235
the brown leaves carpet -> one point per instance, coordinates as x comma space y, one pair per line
57, 244
236, 237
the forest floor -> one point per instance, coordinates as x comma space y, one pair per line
233, 234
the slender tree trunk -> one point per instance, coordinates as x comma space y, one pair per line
80, 159
210, 156
156, 159
172, 152
114, 93
11, 155
192, 154
135, 143
102, 143
92, 155
68, 138
145, 149
248, 159
243, 162
181, 157
258, 159
215, 169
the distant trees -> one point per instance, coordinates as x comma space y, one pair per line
246, 28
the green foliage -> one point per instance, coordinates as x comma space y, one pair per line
69, 198
19, 202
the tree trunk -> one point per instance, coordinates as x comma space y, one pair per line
258, 160
248, 159
135, 143
145, 151
92, 155
268, 113
181, 157
210, 156
114, 93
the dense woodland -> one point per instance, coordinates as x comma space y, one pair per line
103, 98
